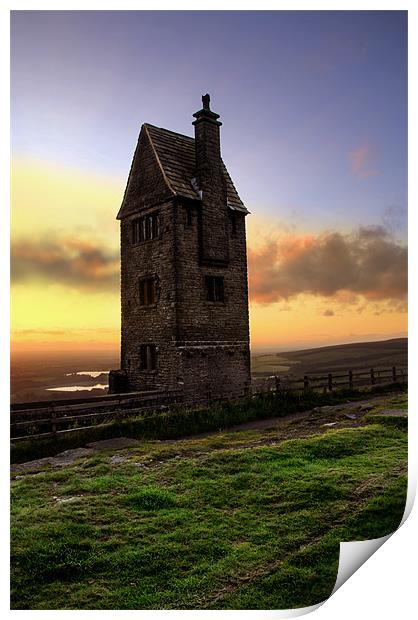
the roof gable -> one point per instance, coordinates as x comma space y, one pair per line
147, 182
164, 166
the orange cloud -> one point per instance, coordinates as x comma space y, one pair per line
77, 263
368, 263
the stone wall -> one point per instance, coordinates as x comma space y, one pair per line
154, 324
214, 371
213, 337
202, 346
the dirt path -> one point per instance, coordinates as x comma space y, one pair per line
353, 410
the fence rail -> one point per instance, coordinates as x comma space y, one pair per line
52, 418
328, 382
46, 418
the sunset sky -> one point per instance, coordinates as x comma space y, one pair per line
314, 134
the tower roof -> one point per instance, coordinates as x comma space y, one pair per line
175, 154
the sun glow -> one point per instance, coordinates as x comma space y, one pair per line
66, 218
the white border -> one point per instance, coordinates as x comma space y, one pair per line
385, 585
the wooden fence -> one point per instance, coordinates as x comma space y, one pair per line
48, 418
51, 418
328, 382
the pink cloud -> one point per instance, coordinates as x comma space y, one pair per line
362, 161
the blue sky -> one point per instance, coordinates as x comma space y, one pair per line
313, 103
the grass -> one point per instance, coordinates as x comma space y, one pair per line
381, 415
228, 521
150, 498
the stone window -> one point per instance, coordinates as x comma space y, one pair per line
146, 228
148, 357
148, 291
214, 288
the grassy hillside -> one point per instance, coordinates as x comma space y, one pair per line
353, 356
231, 520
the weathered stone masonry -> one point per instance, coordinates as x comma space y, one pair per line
184, 298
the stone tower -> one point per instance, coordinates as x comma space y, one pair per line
183, 268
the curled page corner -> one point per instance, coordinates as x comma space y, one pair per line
355, 553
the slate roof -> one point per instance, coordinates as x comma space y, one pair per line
176, 155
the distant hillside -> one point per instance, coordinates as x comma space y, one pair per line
353, 356
33, 376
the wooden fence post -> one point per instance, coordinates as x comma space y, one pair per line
53, 423
330, 382
350, 379
306, 382
372, 376
394, 374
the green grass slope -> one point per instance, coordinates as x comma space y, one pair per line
243, 520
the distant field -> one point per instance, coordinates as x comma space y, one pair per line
353, 356
31, 376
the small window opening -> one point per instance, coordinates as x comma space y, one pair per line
146, 228
148, 291
148, 357
214, 288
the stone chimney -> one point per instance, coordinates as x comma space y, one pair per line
211, 181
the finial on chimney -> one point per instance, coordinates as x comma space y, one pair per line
205, 114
